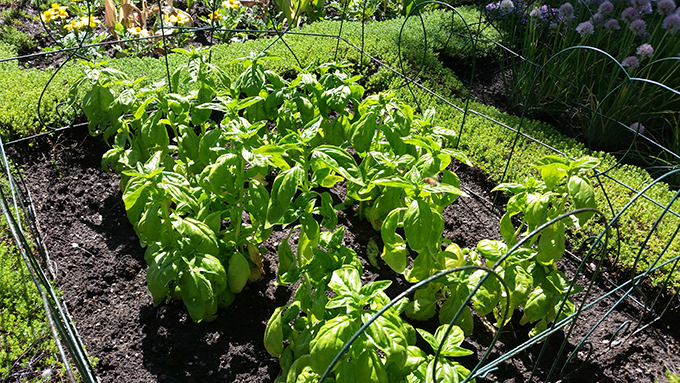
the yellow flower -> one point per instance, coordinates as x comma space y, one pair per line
55, 13
72, 25
216, 15
82, 23
137, 31
182, 17
170, 19
231, 4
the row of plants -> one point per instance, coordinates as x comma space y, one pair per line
142, 29
617, 40
488, 152
196, 188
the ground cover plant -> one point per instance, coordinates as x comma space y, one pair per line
28, 349
195, 277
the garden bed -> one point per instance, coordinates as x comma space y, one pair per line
100, 269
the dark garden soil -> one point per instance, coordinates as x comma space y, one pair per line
101, 271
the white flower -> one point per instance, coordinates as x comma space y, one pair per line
585, 28
507, 5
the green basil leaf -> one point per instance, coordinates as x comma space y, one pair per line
273, 333
369, 368
283, 191
329, 341
345, 281
551, 245
583, 195
507, 230
583, 164
202, 237
537, 209
164, 269
418, 228
362, 132
239, 271
309, 236
452, 343
340, 161
519, 284
538, 305
489, 293
492, 250
424, 304
449, 310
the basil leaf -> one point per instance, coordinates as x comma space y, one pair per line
340, 161
538, 305
273, 333
583, 195
283, 191
418, 228
329, 341
551, 245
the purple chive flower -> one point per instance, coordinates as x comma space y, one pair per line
639, 4
630, 14
630, 62
639, 27
535, 13
611, 25
597, 19
666, 7
585, 28
606, 8
637, 127
645, 51
567, 11
671, 23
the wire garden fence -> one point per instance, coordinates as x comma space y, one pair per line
590, 257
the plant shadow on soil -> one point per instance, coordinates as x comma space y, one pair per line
99, 266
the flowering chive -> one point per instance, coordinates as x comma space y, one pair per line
606, 8
666, 7
611, 25
507, 5
585, 28
630, 62
639, 27
567, 11
645, 51
671, 23
635, 126
597, 19
630, 14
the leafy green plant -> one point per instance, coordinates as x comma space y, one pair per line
530, 272
176, 195
308, 333
293, 10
